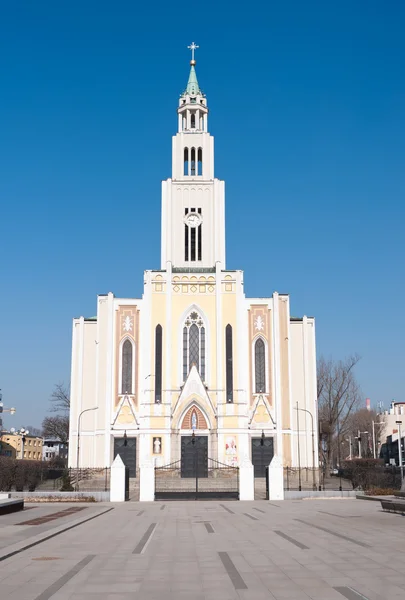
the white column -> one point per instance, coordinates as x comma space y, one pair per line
180, 122
277, 374
117, 480
276, 479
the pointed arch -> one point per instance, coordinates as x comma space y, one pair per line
259, 355
185, 420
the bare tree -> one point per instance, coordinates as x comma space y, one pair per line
56, 427
359, 420
60, 398
338, 396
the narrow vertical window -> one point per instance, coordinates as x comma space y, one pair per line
199, 242
229, 363
260, 367
192, 170
192, 120
185, 353
185, 161
194, 342
199, 161
192, 244
202, 370
126, 373
186, 242
194, 346
158, 364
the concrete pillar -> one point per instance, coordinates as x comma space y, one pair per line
117, 483
246, 480
276, 479
147, 483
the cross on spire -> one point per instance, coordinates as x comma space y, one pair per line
192, 47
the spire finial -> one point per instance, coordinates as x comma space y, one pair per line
192, 47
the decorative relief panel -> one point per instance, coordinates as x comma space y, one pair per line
260, 326
127, 326
193, 285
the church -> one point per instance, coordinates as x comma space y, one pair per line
193, 360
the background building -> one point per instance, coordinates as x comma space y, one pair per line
52, 448
30, 449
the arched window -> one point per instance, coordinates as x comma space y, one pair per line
194, 345
126, 373
158, 364
260, 367
229, 363
199, 172
192, 120
185, 161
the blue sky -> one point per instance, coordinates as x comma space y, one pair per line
307, 107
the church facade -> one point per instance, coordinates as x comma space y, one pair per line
194, 357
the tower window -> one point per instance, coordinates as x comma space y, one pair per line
199, 242
186, 236
199, 161
126, 373
185, 161
193, 120
229, 363
194, 345
192, 171
192, 243
260, 367
158, 364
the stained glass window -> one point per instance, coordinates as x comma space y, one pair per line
194, 345
126, 387
260, 366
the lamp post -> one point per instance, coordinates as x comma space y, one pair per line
23, 432
78, 440
313, 444
299, 454
399, 423
359, 439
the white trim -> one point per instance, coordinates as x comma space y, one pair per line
265, 392
133, 383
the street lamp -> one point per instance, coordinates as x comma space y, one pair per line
78, 439
359, 439
399, 423
298, 448
313, 444
23, 432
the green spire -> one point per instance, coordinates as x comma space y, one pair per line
192, 88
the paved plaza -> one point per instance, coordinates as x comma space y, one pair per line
319, 549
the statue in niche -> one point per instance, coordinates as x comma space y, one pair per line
194, 420
157, 445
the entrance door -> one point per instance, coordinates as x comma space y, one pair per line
194, 457
262, 454
126, 448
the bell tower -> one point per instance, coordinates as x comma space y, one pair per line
193, 206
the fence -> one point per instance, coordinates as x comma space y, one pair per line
83, 480
307, 478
